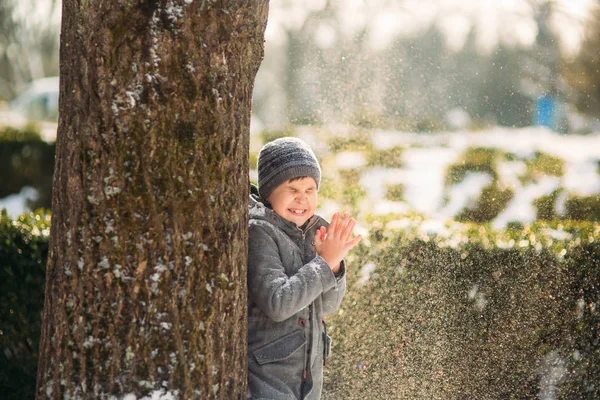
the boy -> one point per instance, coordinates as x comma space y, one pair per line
296, 274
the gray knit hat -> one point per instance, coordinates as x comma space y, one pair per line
284, 159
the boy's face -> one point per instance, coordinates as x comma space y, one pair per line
295, 201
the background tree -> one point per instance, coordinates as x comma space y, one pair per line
500, 95
28, 43
583, 74
146, 268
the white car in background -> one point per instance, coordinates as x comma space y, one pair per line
37, 105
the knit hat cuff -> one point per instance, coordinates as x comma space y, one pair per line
293, 170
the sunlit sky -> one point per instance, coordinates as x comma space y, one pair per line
511, 21
34, 13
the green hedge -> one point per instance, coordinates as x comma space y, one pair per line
474, 159
23, 253
577, 208
470, 315
26, 160
582, 208
493, 200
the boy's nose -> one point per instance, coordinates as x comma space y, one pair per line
300, 197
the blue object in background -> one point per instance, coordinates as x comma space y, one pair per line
544, 111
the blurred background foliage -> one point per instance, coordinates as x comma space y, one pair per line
420, 72
403, 65
29, 43
26, 160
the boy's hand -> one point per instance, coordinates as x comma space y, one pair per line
334, 244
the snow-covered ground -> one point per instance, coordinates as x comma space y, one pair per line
16, 204
426, 164
425, 159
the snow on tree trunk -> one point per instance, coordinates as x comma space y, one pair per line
146, 274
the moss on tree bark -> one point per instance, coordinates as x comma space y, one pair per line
146, 274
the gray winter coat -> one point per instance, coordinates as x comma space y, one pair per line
290, 288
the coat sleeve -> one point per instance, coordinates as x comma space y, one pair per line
333, 297
276, 294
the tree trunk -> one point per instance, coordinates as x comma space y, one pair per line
146, 274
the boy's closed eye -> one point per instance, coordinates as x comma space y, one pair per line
308, 191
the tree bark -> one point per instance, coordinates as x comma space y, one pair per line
146, 274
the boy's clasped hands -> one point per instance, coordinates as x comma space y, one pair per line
334, 243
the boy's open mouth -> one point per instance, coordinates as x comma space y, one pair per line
296, 211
